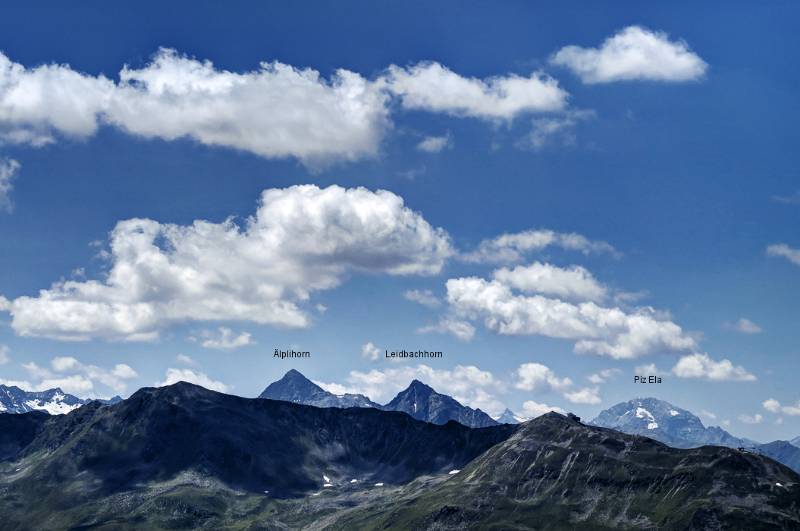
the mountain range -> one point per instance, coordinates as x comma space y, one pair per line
556, 473
184, 457
680, 428
52, 401
418, 400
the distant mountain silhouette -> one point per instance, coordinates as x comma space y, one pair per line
509, 417
418, 400
424, 403
677, 427
294, 387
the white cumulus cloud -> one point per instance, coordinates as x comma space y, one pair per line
80, 379
459, 329
301, 240
8, 170
772, 405
435, 88
424, 297
185, 360
370, 351
513, 247
751, 419
276, 110
174, 376
595, 329
224, 339
634, 53
586, 395
784, 251
531, 409
572, 283
603, 376
435, 144
537, 377
792, 410
703, 366
559, 129
743, 325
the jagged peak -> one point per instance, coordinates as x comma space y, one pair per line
416, 385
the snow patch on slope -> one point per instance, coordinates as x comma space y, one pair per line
642, 413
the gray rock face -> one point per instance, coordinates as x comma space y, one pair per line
664, 422
294, 387
418, 400
677, 427
423, 403
53, 401
783, 452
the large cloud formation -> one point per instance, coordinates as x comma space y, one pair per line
301, 239
596, 329
635, 53
274, 111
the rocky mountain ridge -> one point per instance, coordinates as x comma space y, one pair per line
418, 400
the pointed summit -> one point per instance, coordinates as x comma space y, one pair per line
423, 403
295, 387
509, 417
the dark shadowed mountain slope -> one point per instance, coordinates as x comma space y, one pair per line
555, 473
17, 432
248, 444
423, 403
294, 387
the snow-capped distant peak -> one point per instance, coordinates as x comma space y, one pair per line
52, 401
53, 407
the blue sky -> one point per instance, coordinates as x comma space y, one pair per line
663, 137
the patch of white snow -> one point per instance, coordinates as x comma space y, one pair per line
642, 413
